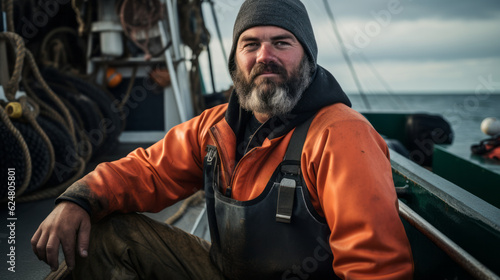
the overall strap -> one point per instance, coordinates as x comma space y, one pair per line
294, 150
290, 169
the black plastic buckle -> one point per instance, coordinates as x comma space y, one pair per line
286, 195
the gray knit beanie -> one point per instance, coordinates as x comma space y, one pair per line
287, 14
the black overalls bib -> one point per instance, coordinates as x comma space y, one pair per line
277, 235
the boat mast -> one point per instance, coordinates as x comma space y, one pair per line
346, 56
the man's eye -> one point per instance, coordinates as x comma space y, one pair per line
250, 45
282, 44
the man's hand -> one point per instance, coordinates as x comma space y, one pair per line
66, 224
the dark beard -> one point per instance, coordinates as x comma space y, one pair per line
270, 97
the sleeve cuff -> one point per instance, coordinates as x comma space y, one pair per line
80, 202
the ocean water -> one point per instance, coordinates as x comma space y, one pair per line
464, 112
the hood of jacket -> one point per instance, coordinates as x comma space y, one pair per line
324, 90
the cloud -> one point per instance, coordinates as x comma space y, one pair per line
425, 39
412, 9
424, 46
457, 76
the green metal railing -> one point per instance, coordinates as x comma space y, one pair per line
469, 222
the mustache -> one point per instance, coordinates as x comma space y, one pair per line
261, 68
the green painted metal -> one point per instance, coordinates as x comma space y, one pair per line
390, 125
473, 173
453, 162
466, 219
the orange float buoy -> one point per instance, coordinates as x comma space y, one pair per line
113, 77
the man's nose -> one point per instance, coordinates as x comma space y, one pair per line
266, 54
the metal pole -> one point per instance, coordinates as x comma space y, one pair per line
210, 65
174, 36
180, 68
459, 255
173, 77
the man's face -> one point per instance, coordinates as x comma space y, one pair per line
272, 70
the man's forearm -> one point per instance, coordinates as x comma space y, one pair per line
80, 194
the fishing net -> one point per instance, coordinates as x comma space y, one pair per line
14, 155
105, 135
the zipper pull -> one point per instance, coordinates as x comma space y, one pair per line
212, 152
228, 192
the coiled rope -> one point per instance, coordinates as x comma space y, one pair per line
30, 110
30, 113
24, 148
54, 52
67, 116
46, 110
24, 56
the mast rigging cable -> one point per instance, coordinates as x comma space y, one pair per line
206, 42
344, 53
219, 34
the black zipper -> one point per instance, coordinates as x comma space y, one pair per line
212, 161
251, 138
212, 153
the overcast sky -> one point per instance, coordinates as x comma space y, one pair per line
415, 46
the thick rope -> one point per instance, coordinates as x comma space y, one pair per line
78, 15
60, 52
9, 9
195, 199
129, 89
30, 113
53, 115
54, 191
60, 57
85, 149
24, 55
18, 45
27, 158
67, 116
45, 109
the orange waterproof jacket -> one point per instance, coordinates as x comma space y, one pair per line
344, 163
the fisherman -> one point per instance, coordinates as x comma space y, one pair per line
279, 206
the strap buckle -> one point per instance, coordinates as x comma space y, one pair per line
286, 195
